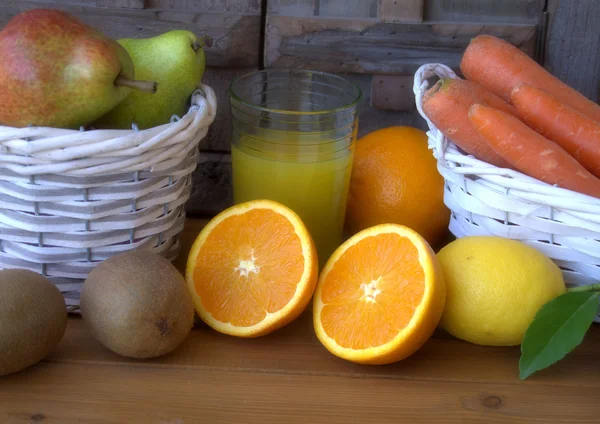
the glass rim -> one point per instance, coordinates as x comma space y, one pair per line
348, 105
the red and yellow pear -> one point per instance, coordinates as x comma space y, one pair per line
57, 71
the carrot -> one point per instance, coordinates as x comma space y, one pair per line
500, 67
447, 104
575, 132
530, 152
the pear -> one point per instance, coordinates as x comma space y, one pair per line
58, 72
176, 61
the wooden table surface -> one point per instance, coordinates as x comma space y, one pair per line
288, 377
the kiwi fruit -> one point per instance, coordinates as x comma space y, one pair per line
33, 319
137, 304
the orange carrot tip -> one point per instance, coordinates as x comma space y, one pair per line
575, 132
531, 153
500, 67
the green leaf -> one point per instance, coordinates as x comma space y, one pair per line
558, 327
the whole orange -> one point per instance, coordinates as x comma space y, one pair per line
395, 181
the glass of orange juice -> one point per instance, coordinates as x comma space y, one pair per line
293, 142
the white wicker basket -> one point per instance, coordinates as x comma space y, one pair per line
70, 199
487, 200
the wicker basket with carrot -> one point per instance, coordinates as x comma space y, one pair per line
520, 154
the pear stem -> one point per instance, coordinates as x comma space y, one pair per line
145, 86
206, 41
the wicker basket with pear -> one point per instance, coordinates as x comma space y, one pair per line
98, 140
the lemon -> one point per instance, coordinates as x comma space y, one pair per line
495, 286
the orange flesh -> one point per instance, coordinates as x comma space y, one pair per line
372, 291
260, 243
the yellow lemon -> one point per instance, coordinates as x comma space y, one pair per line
494, 288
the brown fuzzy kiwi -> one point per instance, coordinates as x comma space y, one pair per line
137, 304
33, 319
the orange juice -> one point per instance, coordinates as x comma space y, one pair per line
293, 142
315, 188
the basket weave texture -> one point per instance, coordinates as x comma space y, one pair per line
487, 200
71, 199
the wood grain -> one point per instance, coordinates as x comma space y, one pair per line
331, 8
295, 350
130, 4
573, 47
212, 189
368, 46
400, 10
484, 11
293, 7
372, 119
392, 92
118, 394
246, 7
347, 8
288, 377
219, 137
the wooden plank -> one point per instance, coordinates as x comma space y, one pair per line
293, 7
116, 394
392, 92
129, 4
484, 11
347, 8
236, 37
573, 46
212, 190
330, 8
247, 7
192, 228
371, 118
50, 3
219, 137
367, 46
288, 377
296, 350
400, 10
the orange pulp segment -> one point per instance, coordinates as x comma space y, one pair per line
380, 296
252, 269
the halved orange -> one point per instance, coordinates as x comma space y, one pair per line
380, 296
252, 269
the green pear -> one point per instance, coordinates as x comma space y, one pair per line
176, 61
